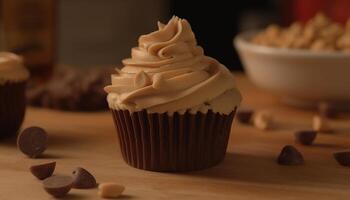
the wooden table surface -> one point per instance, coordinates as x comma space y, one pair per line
249, 170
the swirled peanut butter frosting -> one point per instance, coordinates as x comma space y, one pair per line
168, 72
11, 68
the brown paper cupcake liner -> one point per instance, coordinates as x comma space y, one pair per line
181, 142
12, 108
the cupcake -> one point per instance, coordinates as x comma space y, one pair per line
172, 106
13, 77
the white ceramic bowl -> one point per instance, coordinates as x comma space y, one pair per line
300, 77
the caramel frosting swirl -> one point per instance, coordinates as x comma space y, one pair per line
168, 72
11, 68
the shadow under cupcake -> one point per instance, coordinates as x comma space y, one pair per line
172, 106
13, 78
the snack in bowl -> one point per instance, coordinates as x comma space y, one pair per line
301, 75
172, 106
13, 78
318, 34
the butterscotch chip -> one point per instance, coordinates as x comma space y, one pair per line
320, 124
305, 137
58, 186
83, 179
43, 171
32, 141
141, 80
343, 158
272, 31
309, 33
301, 43
320, 20
110, 190
295, 29
321, 45
343, 42
263, 120
290, 156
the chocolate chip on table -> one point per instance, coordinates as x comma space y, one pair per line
58, 186
343, 158
32, 141
43, 171
83, 179
244, 115
305, 137
290, 156
110, 190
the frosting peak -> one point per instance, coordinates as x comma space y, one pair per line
11, 68
168, 72
171, 43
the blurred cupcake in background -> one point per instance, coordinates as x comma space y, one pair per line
172, 106
13, 78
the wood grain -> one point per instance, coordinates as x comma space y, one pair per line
249, 170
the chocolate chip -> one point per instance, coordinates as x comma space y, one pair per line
244, 115
290, 156
32, 141
326, 110
305, 137
58, 186
343, 158
43, 171
83, 179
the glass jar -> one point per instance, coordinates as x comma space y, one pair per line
28, 29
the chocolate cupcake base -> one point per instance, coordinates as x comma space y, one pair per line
12, 108
181, 142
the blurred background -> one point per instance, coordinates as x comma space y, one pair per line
101, 32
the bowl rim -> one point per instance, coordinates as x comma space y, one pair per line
241, 41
